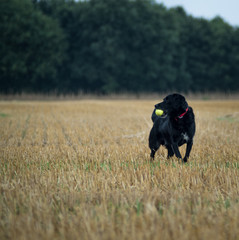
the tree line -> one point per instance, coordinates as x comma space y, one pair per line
109, 46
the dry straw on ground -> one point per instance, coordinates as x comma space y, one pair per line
81, 170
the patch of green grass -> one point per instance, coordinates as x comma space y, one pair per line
138, 207
105, 166
3, 115
230, 119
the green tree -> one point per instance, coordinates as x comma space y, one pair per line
109, 46
32, 47
221, 55
183, 81
234, 60
198, 33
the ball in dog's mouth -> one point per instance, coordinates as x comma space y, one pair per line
159, 112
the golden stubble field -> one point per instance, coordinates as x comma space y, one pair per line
81, 170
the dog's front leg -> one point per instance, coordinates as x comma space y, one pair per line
188, 150
176, 150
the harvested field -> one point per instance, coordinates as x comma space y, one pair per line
81, 170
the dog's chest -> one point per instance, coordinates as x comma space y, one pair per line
185, 136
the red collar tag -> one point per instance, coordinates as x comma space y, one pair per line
181, 116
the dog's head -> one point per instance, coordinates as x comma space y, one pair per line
173, 105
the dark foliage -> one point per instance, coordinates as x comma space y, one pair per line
105, 46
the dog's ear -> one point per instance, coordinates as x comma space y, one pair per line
181, 99
185, 105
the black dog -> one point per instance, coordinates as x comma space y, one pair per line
174, 128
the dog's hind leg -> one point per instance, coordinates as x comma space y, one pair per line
176, 150
170, 152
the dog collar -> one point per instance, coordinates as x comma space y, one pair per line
181, 116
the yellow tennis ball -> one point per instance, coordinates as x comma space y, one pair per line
159, 112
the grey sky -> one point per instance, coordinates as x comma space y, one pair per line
227, 9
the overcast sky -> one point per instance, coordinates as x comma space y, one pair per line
227, 9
